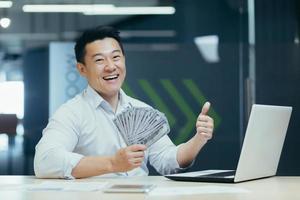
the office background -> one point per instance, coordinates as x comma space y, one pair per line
230, 52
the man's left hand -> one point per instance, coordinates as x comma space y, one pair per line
205, 124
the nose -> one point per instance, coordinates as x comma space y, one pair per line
110, 66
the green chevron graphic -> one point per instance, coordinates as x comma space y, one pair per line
200, 98
128, 90
158, 102
189, 127
185, 131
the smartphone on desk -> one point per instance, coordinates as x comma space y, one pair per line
129, 188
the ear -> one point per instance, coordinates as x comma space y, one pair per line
81, 69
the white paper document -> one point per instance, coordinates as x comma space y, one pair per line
191, 190
59, 186
68, 186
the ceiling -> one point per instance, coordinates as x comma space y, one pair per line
32, 29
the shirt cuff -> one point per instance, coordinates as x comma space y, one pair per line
71, 159
179, 169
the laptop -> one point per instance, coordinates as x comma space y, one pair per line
262, 146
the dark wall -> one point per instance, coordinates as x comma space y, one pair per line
277, 68
278, 71
35, 69
218, 82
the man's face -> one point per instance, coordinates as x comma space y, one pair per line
104, 66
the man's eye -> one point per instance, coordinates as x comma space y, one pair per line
99, 60
116, 57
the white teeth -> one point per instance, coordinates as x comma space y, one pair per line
110, 77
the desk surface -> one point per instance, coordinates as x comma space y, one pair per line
273, 188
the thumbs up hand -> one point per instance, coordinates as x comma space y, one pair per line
188, 151
205, 124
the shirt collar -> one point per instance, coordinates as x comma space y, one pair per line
97, 100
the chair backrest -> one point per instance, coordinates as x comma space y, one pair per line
8, 123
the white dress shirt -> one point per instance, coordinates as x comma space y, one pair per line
83, 126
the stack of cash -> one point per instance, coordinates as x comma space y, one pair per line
141, 125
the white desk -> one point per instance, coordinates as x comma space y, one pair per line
275, 188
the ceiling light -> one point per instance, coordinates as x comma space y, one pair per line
6, 4
99, 9
4, 22
66, 7
153, 10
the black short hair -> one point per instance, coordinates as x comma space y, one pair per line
92, 35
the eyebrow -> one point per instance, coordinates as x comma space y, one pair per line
100, 54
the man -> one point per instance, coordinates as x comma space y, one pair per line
81, 140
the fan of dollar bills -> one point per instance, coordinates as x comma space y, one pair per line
141, 125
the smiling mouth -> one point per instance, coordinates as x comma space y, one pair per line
111, 77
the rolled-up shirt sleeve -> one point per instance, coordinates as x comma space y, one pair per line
163, 157
54, 157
